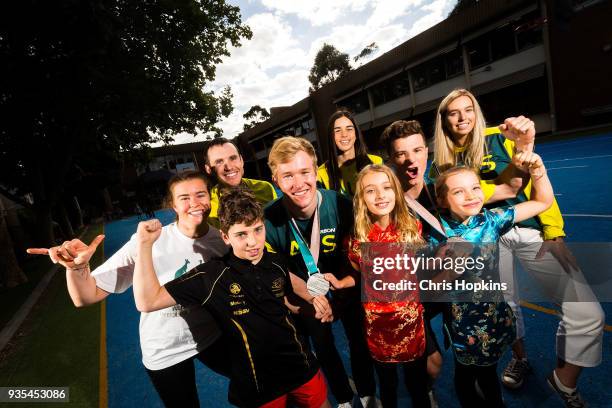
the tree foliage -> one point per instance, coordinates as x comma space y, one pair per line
329, 65
367, 51
83, 76
255, 115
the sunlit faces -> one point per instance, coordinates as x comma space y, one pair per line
460, 118
344, 134
247, 241
409, 155
191, 202
227, 164
297, 179
465, 197
378, 194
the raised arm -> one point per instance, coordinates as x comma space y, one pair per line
521, 132
507, 185
148, 293
74, 255
542, 195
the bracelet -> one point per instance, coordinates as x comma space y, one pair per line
79, 268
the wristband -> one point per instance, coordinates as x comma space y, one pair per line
79, 268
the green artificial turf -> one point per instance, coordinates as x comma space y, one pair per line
12, 299
58, 345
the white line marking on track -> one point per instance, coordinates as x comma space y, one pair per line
566, 167
589, 215
580, 158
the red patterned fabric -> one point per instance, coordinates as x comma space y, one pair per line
394, 323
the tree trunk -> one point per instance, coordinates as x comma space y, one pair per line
44, 225
16, 229
10, 271
77, 212
64, 220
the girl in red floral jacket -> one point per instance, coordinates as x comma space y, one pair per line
394, 324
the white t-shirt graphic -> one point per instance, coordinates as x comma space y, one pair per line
174, 334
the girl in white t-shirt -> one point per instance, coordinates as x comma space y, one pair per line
172, 337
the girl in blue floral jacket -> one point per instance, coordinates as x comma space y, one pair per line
480, 324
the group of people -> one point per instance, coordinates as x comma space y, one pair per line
240, 280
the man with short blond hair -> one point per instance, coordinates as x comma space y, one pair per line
311, 227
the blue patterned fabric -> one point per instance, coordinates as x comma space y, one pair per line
481, 331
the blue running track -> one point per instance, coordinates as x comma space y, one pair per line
581, 172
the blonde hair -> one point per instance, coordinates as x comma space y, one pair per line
285, 148
442, 188
404, 221
444, 145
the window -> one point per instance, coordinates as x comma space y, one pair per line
437, 71
429, 73
502, 42
356, 103
391, 89
528, 30
259, 145
419, 77
478, 51
582, 4
454, 63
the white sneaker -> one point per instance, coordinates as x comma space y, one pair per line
433, 402
571, 399
369, 401
347, 404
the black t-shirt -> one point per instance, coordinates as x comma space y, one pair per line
269, 357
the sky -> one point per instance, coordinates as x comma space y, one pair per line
272, 68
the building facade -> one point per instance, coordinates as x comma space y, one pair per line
547, 59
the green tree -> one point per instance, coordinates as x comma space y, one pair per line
329, 65
367, 51
79, 77
255, 115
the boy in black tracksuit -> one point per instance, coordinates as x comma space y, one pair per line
246, 291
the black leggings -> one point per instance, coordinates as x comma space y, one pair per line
415, 379
176, 384
466, 377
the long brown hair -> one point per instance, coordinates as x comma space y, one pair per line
361, 152
404, 221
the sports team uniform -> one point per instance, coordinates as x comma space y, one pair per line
348, 175
580, 331
268, 356
174, 335
336, 222
264, 193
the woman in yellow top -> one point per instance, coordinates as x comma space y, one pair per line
461, 137
349, 151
